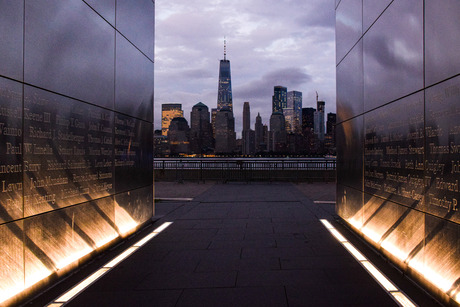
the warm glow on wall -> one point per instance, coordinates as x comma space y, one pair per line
438, 280
73, 257
389, 239
399, 296
124, 221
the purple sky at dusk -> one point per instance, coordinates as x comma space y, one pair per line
269, 42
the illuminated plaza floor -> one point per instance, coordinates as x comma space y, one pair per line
240, 245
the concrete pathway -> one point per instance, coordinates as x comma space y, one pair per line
245, 245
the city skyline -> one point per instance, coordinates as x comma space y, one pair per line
294, 48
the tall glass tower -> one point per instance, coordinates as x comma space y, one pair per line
224, 94
279, 99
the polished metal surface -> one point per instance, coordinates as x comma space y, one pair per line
68, 147
442, 170
135, 22
348, 26
11, 167
12, 260
133, 157
350, 84
76, 165
442, 40
69, 49
350, 153
394, 152
393, 59
405, 132
133, 208
12, 41
372, 9
134, 81
105, 8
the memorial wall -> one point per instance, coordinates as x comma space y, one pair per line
76, 131
398, 133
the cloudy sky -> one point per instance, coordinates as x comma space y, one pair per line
269, 42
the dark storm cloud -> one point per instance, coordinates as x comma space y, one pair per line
263, 88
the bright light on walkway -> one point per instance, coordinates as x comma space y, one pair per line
80, 287
398, 296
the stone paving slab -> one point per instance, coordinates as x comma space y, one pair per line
242, 245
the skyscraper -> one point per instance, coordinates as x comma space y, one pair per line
246, 116
278, 135
225, 131
308, 118
330, 124
213, 121
179, 136
279, 99
200, 129
293, 116
169, 111
224, 92
330, 130
247, 135
319, 120
259, 133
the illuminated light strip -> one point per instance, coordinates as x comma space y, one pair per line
324, 202
398, 296
121, 257
146, 239
80, 287
162, 227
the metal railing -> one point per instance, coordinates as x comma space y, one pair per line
240, 169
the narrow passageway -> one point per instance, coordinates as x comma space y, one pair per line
240, 244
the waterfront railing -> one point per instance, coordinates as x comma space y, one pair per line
240, 169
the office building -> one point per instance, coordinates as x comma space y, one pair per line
330, 124
319, 120
179, 137
213, 121
161, 144
76, 94
224, 92
398, 92
169, 111
308, 118
246, 116
200, 129
278, 135
293, 112
279, 99
329, 139
225, 141
259, 133
247, 135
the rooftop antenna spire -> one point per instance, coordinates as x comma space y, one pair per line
316, 96
225, 49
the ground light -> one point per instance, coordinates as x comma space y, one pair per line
73, 292
399, 296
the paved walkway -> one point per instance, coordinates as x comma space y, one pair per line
244, 245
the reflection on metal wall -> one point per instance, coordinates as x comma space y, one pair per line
398, 164
76, 133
